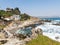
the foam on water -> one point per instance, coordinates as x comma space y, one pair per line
50, 30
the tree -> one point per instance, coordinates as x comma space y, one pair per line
24, 16
17, 11
8, 9
2, 12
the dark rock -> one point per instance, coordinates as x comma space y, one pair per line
3, 41
39, 31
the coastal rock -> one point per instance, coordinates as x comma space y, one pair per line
34, 36
15, 42
2, 36
47, 20
27, 39
36, 32
39, 31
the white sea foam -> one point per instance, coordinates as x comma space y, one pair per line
51, 31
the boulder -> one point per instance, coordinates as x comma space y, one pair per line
27, 39
36, 32
15, 41
39, 31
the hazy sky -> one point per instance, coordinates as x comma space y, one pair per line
34, 7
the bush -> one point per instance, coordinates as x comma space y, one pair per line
24, 16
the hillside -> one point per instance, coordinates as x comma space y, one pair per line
43, 40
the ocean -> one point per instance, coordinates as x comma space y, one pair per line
51, 18
50, 30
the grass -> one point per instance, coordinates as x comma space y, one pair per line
43, 40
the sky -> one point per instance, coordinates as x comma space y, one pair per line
34, 7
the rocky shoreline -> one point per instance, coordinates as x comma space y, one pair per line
19, 39
21, 32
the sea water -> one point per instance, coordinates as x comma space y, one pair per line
50, 30
52, 18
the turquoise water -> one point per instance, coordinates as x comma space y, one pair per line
26, 31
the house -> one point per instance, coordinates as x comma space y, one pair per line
8, 19
15, 17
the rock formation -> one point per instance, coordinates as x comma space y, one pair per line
36, 32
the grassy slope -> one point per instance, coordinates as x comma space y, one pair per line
43, 40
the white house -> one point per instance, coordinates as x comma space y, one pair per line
15, 17
7, 19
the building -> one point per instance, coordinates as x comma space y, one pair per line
15, 17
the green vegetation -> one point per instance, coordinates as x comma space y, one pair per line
10, 11
43, 40
24, 17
